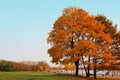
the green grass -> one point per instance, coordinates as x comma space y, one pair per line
35, 76
44, 76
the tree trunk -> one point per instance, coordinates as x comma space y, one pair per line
95, 73
77, 67
88, 73
84, 67
95, 68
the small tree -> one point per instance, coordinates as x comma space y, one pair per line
69, 67
43, 66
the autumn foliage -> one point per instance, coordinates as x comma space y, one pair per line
43, 66
23, 66
78, 37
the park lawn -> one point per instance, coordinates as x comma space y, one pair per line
36, 76
44, 76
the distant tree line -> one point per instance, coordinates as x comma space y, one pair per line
23, 66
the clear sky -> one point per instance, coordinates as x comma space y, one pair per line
25, 24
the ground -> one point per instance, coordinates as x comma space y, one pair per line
46, 76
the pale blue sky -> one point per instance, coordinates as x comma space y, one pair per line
25, 24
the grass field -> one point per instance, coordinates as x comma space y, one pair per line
42, 76
34, 76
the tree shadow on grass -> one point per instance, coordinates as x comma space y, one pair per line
53, 77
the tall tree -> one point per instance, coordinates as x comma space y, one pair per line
77, 36
66, 34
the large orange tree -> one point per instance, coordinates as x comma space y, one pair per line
77, 37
